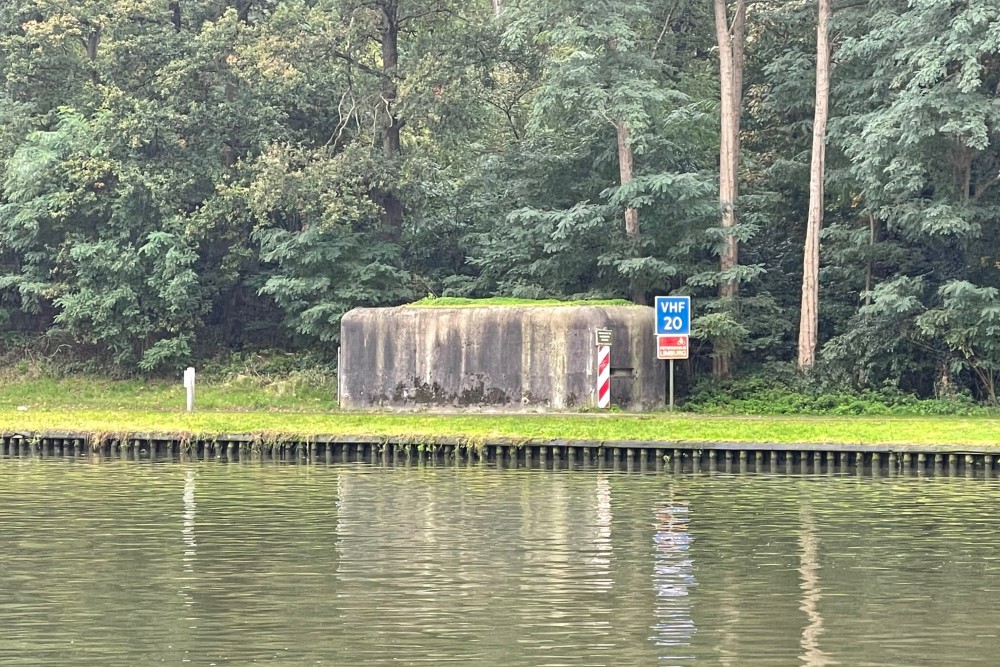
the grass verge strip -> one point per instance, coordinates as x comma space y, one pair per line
971, 431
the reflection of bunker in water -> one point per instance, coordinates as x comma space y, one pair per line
498, 356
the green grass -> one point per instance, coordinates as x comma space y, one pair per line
241, 393
102, 406
925, 431
458, 302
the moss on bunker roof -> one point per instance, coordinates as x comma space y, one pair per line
460, 302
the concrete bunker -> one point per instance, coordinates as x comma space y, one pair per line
507, 357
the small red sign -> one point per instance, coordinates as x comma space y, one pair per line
671, 347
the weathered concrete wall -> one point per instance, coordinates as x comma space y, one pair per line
501, 356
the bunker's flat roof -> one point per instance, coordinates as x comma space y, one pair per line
461, 302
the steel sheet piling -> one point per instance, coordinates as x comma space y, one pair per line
556, 454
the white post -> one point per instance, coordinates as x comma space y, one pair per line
189, 385
340, 375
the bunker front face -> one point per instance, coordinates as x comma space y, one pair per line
505, 357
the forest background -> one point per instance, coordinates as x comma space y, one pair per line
217, 182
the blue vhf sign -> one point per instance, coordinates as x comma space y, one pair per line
673, 315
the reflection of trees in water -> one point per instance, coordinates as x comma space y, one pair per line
673, 577
811, 656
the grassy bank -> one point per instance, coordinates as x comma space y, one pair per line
861, 430
89, 394
103, 406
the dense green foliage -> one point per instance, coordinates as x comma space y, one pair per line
180, 180
770, 391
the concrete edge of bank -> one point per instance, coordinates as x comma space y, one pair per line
508, 452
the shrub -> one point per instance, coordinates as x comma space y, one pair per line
779, 390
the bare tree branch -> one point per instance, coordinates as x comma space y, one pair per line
666, 24
982, 189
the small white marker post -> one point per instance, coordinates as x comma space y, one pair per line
189, 385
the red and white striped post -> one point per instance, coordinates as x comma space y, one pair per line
603, 368
604, 376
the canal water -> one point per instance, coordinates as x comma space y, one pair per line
208, 564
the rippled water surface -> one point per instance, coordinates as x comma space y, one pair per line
209, 564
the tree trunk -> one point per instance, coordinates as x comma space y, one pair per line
963, 171
809, 322
731, 59
175, 14
869, 264
92, 43
497, 7
626, 170
232, 150
243, 8
392, 207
